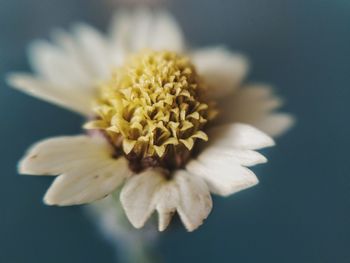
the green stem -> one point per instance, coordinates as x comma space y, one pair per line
132, 245
137, 252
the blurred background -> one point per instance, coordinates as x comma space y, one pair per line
300, 211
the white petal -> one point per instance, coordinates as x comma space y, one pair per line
68, 70
239, 136
55, 155
137, 196
221, 163
188, 195
69, 44
255, 105
166, 33
227, 154
222, 70
141, 23
85, 166
132, 31
72, 99
119, 32
223, 178
275, 124
150, 190
88, 182
95, 48
89, 52
195, 201
167, 200
57, 66
249, 104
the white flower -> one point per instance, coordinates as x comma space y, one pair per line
69, 72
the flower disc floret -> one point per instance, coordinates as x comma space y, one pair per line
154, 106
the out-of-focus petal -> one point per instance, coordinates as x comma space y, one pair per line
68, 70
57, 66
221, 69
94, 47
275, 124
143, 28
256, 105
71, 99
167, 33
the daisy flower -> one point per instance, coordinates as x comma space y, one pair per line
166, 124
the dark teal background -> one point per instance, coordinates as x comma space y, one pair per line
300, 212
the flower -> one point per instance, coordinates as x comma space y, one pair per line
167, 124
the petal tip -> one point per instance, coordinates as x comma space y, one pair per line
23, 166
253, 181
21, 169
162, 228
271, 142
48, 201
14, 80
290, 121
136, 223
191, 228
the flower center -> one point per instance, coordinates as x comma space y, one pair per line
154, 109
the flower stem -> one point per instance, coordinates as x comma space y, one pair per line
136, 252
132, 245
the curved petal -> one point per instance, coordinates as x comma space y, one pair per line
56, 155
223, 178
150, 190
88, 182
222, 163
70, 99
167, 199
188, 195
85, 166
142, 28
221, 69
137, 195
239, 136
195, 201
228, 154
255, 105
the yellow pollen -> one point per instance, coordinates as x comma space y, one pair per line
153, 105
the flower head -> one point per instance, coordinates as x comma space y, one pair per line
172, 125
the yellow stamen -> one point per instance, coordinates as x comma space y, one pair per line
154, 104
